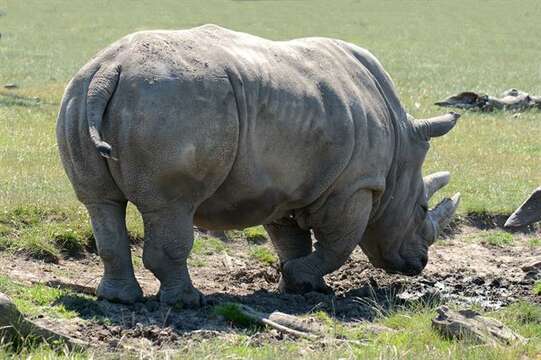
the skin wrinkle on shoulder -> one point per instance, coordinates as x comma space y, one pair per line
272, 98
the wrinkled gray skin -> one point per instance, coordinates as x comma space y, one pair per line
528, 213
227, 130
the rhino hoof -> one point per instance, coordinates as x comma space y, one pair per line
295, 281
303, 287
122, 291
190, 298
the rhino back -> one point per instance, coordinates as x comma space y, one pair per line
312, 117
244, 128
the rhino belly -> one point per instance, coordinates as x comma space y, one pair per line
241, 209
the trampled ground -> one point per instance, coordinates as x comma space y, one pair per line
477, 266
431, 50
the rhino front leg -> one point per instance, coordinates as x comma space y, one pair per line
290, 242
338, 228
109, 227
168, 242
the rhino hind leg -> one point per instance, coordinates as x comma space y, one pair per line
168, 242
290, 242
109, 225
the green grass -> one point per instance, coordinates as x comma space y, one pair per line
207, 245
233, 313
44, 233
430, 49
497, 238
203, 246
534, 242
500, 238
40, 352
38, 299
51, 233
537, 288
415, 338
264, 255
412, 337
255, 234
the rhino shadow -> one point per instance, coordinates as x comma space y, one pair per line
360, 304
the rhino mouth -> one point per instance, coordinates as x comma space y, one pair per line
407, 266
411, 268
402, 265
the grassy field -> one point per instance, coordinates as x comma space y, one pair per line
431, 49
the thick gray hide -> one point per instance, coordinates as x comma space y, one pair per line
228, 130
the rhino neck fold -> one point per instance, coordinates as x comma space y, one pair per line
380, 205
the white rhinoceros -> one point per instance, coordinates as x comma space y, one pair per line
228, 130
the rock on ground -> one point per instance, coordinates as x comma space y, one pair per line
470, 325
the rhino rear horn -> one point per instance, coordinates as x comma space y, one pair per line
436, 126
436, 181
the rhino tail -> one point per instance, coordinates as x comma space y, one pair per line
99, 93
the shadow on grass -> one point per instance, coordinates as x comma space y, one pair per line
85, 307
365, 303
88, 290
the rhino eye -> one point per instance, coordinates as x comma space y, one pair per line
424, 207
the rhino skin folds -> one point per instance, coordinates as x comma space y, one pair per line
228, 130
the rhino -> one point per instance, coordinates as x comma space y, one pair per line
225, 130
527, 213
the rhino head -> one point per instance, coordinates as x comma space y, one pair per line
402, 226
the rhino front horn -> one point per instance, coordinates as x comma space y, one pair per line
442, 214
436, 126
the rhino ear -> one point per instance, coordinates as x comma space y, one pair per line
436, 126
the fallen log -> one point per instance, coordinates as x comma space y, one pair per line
509, 100
289, 324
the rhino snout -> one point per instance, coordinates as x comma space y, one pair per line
409, 267
412, 268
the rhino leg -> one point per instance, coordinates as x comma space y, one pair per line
338, 227
109, 226
288, 239
168, 242
290, 242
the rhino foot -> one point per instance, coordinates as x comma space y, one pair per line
187, 297
297, 280
122, 291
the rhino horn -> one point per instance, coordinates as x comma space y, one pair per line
528, 213
436, 126
441, 215
436, 181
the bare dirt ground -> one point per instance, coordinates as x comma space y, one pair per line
459, 271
